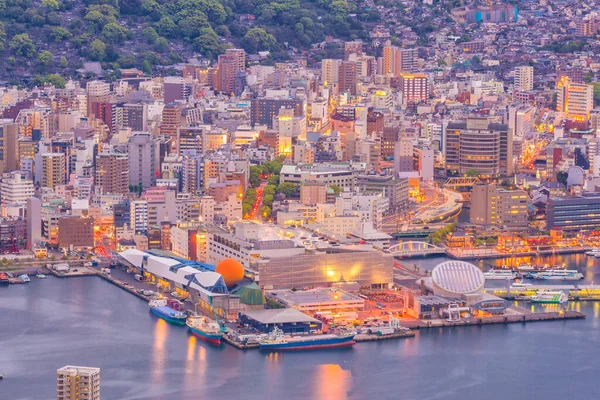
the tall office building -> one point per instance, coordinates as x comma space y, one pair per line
523, 79
262, 111
397, 60
78, 383
348, 77
142, 154
174, 89
576, 100
491, 205
171, 119
9, 151
228, 66
330, 69
53, 170
112, 172
476, 144
414, 88
34, 222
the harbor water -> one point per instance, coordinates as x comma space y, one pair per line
49, 323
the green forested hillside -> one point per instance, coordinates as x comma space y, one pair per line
38, 37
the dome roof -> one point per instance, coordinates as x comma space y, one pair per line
231, 270
457, 277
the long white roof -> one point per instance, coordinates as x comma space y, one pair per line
162, 267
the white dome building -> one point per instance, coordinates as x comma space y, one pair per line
455, 278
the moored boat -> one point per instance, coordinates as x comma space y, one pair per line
526, 267
41, 276
495, 274
550, 297
160, 308
559, 275
3, 277
205, 329
24, 278
276, 340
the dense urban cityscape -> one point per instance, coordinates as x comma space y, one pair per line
205, 185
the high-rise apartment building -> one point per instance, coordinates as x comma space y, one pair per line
414, 88
15, 190
142, 154
348, 77
53, 170
97, 92
228, 66
112, 172
576, 100
135, 116
491, 205
171, 119
139, 216
397, 60
330, 69
9, 151
191, 138
523, 78
478, 145
82, 383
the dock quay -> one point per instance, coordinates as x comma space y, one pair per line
500, 319
460, 254
81, 271
118, 283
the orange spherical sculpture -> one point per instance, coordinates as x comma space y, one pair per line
231, 270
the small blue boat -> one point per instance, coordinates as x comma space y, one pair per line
160, 308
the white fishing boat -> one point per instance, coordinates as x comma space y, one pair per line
499, 275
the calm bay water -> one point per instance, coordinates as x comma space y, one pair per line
85, 321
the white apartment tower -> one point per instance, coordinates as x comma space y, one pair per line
523, 78
81, 383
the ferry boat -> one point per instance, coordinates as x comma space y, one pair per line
24, 278
550, 297
276, 341
526, 267
495, 274
521, 285
160, 308
559, 275
205, 329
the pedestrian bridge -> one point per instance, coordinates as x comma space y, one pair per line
415, 248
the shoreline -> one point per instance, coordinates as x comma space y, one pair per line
411, 325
